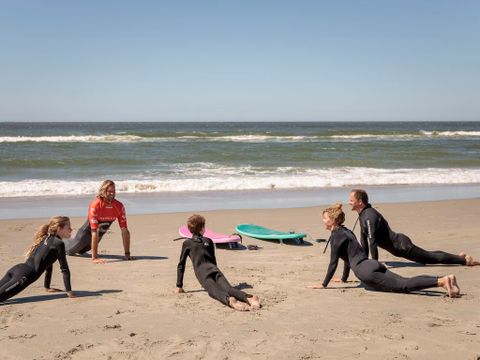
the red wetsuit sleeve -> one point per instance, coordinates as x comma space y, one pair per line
93, 213
121, 214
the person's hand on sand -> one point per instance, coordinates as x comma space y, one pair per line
98, 261
179, 290
52, 290
71, 295
318, 286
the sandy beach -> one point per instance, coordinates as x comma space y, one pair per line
127, 310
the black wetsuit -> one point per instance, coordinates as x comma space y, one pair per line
83, 238
344, 245
20, 276
201, 251
376, 232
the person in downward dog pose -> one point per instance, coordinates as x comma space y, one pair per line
201, 251
47, 247
344, 245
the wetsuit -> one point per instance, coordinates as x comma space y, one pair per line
100, 216
20, 276
344, 245
376, 232
201, 251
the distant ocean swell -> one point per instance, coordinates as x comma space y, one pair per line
235, 179
253, 138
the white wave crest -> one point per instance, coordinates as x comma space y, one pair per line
451, 133
72, 139
250, 179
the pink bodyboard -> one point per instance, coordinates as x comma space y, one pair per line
217, 238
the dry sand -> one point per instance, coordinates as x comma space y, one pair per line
127, 310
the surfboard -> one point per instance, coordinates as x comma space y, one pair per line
263, 233
217, 238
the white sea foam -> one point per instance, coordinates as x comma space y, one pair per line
451, 133
123, 138
211, 179
72, 139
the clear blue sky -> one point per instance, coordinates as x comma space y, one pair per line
239, 60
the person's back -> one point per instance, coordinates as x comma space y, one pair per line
201, 251
51, 250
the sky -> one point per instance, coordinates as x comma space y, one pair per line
240, 60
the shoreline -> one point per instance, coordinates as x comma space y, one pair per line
158, 203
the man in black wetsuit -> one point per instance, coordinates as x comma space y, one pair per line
375, 232
201, 251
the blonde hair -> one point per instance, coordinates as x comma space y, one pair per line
102, 191
335, 213
47, 229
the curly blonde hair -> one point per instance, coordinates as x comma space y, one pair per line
335, 213
47, 229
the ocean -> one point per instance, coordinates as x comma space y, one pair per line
163, 159
41, 159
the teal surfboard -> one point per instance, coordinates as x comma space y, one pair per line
263, 233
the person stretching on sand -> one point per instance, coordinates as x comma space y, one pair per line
376, 232
344, 245
201, 251
102, 212
47, 248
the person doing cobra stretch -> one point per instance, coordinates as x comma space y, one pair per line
201, 251
375, 232
102, 212
344, 245
47, 248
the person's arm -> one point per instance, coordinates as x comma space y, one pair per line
62, 260
346, 272
48, 277
332, 267
93, 219
122, 222
371, 222
181, 266
95, 258
364, 240
126, 243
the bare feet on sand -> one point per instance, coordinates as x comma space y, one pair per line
454, 285
449, 283
470, 262
254, 302
238, 305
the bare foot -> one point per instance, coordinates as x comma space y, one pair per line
254, 302
238, 305
319, 286
446, 283
470, 262
462, 254
454, 285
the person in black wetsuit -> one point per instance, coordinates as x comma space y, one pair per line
375, 232
344, 245
47, 248
201, 251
